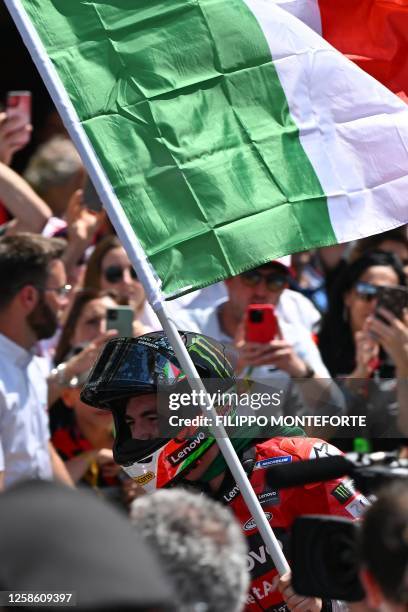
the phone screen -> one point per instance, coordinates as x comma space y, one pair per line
19, 103
394, 299
18, 111
121, 319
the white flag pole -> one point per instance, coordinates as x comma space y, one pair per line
137, 256
226, 447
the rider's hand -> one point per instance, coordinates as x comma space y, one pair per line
297, 603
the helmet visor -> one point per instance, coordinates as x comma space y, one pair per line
126, 368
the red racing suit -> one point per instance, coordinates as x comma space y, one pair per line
334, 497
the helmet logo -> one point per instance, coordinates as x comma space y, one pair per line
144, 478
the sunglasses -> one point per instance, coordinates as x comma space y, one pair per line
274, 281
366, 291
114, 274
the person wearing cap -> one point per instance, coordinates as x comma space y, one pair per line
292, 306
295, 352
133, 378
291, 355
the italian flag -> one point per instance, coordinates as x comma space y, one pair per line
230, 131
372, 33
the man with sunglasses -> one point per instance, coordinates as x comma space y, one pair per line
292, 350
291, 355
292, 306
33, 292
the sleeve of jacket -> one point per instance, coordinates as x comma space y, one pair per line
337, 497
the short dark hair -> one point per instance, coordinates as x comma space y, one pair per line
24, 260
384, 542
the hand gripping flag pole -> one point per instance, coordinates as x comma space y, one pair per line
139, 260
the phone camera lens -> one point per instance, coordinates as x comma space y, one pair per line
256, 316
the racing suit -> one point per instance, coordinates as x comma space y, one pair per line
335, 497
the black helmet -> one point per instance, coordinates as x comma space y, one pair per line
135, 366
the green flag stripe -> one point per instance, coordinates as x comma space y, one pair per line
193, 131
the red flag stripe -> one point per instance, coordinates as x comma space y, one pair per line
374, 34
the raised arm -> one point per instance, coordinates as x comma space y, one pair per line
30, 212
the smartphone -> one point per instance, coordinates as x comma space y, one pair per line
261, 324
18, 106
121, 319
394, 299
90, 197
19, 103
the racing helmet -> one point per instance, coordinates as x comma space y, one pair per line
131, 367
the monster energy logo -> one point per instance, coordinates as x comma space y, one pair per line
343, 492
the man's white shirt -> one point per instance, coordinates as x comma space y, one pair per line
24, 430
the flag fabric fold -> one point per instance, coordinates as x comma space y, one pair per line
230, 132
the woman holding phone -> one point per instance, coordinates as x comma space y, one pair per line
83, 437
109, 269
356, 347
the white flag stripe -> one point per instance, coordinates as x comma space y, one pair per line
307, 11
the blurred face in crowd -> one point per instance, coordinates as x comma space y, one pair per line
53, 299
263, 285
92, 320
95, 417
117, 274
141, 417
360, 301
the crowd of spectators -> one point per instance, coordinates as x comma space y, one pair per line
62, 267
